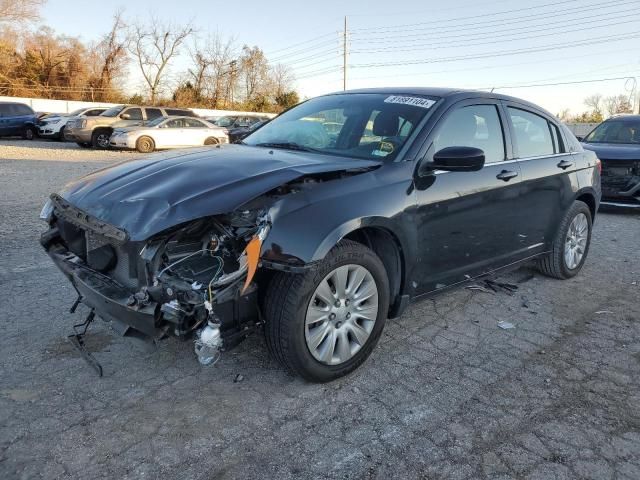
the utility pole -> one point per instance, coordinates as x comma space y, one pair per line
344, 55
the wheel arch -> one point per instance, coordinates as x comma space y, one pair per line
588, 197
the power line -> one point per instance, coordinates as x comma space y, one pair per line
509, 38
558, 46
595, 80
526, 29
306, 50
441, 23
301, 43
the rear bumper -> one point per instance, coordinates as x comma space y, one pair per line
109, 300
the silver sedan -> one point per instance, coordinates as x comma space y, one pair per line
171, 132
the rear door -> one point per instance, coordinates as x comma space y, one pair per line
465, 219
19, 116
549, 177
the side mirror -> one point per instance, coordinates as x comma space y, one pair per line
454, 159
125, 116
580, 139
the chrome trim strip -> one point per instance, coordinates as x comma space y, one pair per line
616, 204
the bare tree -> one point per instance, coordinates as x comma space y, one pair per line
20, 11
154, 46
618, 104
595, 103
281, 78
254, 70
111, 55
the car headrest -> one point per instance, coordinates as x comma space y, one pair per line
624, 135
386, 124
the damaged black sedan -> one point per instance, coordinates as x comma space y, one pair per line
326, 222
616, 142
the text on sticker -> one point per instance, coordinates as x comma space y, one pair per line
415, 101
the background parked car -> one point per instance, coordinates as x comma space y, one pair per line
235, 121
237, 134
96, 131
54, 125
616, 142
172, 132
17, 119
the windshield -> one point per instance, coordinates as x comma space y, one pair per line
113, 111
224, 121
155, 122
616, 131
358, 125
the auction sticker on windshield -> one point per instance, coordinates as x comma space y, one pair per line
415, 101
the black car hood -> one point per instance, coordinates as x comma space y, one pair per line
613, 151
147, 196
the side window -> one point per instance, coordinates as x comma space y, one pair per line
134, 113
475, 126
21, 109
153, 113
175, 123
174, 111
558, 145
532, 132
93, 113
4, 110
193, 123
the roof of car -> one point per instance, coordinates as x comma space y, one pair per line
624, 117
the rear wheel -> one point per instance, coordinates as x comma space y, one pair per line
29, 133
324, 323
145, 145
571, 245
100, 139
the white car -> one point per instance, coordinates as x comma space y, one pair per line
171, 132
53, 126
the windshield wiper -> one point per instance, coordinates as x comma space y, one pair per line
286, 146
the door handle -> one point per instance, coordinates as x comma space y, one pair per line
506, 175
564, 164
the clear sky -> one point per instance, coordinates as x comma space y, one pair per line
458, 43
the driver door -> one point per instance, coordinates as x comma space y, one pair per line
465, 220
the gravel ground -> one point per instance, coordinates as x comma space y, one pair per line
447, 394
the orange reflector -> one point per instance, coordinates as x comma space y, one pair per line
253, 255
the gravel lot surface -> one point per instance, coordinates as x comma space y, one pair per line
447, 394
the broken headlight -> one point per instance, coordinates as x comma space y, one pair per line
47, 211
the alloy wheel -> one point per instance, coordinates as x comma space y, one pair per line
341, 314
576, 241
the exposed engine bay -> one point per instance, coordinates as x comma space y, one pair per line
193, 280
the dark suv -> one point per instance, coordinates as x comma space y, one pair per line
616, 142
96, 131
317, 235
17, 119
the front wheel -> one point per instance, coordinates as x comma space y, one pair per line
100, 139
324, 323
145, 145
29, 133
571, 245
211, 141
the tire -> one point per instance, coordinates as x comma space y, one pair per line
100, 139
289, 300
145, 144
29, 133
211, 141
556, 263
84, 144
61, 135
